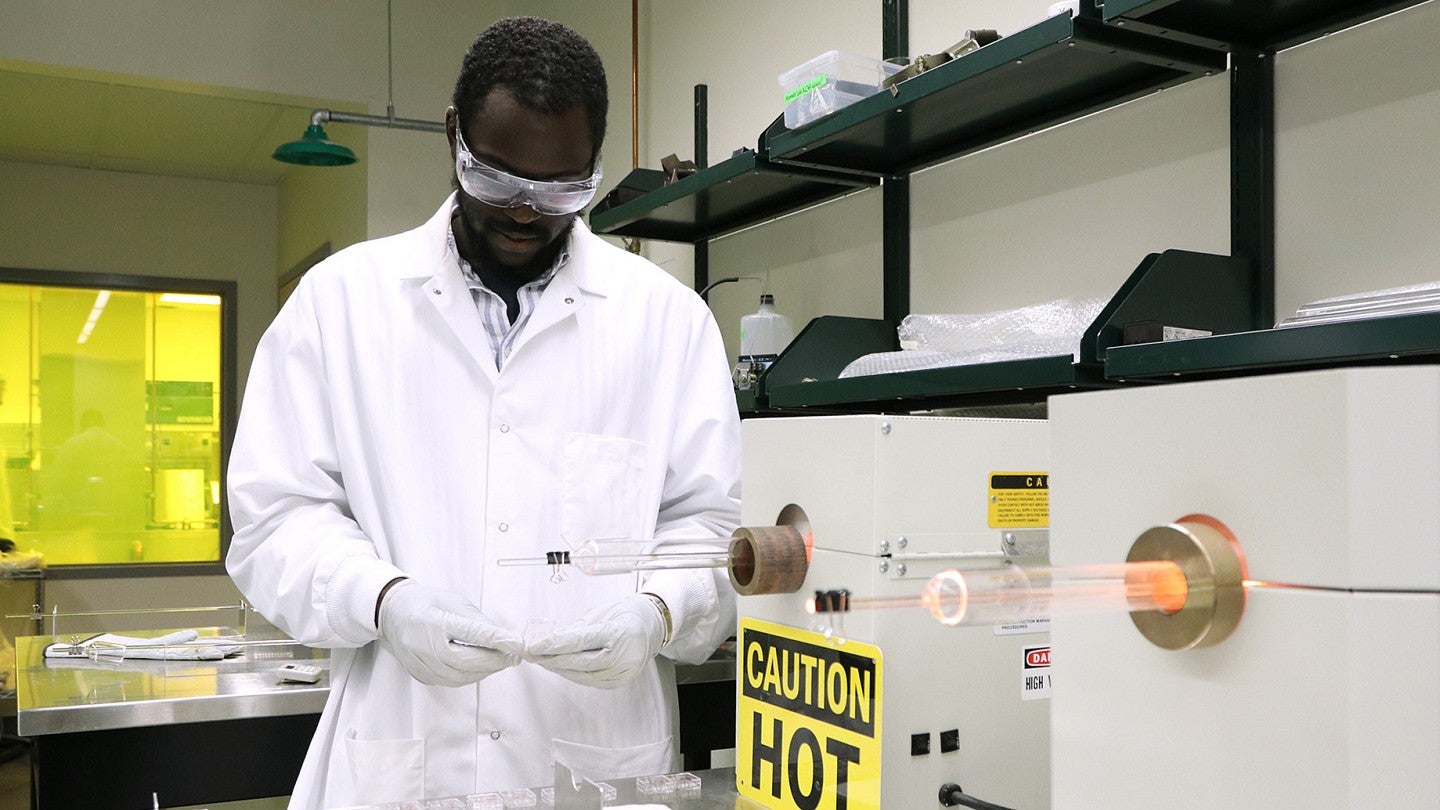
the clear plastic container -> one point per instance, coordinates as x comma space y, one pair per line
764, 333
659, 785
830, 81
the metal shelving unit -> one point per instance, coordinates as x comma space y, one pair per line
1200, 290
1272, 25
741, 191
1054, 71
1398, 338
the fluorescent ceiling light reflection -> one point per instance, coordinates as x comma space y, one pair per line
190, 298
101, 299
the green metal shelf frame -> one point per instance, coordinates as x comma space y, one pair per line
1272, 26
1397, 338
738, 192
1002, 383
1055, 71
1045, 75
1176, 287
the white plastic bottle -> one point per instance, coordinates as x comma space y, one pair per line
764, 333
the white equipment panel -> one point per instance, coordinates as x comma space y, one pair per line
893, 500
1326, 695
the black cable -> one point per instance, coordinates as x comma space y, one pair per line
951, 796
712, 285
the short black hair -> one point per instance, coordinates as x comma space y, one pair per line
547, 66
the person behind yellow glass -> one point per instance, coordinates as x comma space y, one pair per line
94, 473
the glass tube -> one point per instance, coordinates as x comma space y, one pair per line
593, 558
1013, 593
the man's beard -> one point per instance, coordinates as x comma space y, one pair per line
530, 270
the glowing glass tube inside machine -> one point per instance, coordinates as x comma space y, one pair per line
1183, 585
1012, 594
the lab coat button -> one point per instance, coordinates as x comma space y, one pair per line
504, 527
436, 291
569, 300
495, 734
504, 428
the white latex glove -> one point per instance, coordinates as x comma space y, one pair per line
441, 638
606, 648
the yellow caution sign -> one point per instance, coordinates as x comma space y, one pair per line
1019, 500
807, 720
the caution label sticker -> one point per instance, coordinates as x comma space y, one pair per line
808, 720
1035, 674
1019, 500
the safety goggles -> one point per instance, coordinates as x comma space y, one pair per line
503, 190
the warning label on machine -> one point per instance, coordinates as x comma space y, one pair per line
808, 720
1035, 674
1019, 500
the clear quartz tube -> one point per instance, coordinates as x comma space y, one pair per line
592, 557
1013, 593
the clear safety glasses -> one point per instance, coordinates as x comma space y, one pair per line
503, 190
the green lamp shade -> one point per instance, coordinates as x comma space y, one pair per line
314, 149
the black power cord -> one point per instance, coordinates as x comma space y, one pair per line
952, 796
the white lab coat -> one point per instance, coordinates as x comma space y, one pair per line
377, 438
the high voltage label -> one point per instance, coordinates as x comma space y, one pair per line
1019, 500
808, 720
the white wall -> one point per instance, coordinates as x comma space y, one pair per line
79, 220
1358, 160
322, 49
1073, 210
70, 219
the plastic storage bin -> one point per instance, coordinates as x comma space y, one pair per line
830, 81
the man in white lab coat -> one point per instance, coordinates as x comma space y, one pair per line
493, 385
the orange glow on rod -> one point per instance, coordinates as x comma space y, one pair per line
1013, 594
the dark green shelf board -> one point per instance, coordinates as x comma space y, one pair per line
1008, 382
1049, 73
1406, 338
1271, 25
735, 193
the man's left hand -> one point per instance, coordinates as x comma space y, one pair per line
605, 648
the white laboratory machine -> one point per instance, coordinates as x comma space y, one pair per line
881, 708
1323, 690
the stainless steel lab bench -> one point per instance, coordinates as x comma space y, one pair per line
112, 733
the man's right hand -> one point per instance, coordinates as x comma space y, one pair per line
441, 638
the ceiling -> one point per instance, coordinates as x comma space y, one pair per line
118, 123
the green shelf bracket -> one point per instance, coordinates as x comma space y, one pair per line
1176, 288
825, 347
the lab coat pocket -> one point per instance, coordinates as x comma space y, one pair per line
385, 770
599, 763
601, 478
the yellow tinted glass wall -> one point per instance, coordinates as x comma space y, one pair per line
111, 423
